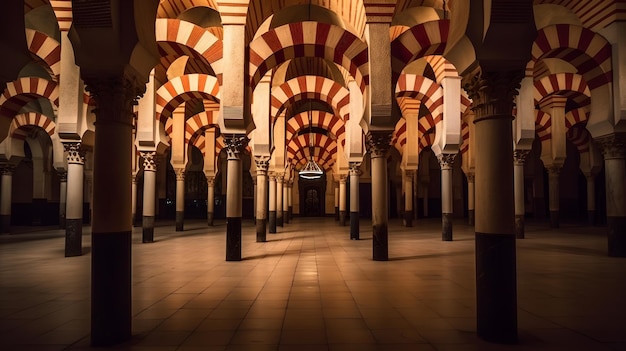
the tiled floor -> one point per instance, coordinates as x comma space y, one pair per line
311, 288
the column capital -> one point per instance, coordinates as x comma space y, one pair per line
355, 168
235, 144
180, 174
409, 173
7, 169
470, 177
210, 181
554, 170
378, 143
262, 163
62, 175
519, 157
492, 93
446, 160
271, 176
280, 177
343, 178
114, 96
75, 153
149, 161
613, 146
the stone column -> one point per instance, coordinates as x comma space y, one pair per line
5, 200
408, 198
272, 203
342, 199
180, 199
111, 254
496, 282
519, 157
336, 187
235, 144
447, 201
210, 202
133, 198
354, 200
290, 199
614, 152
470, 198
378, 145
149, 195
591, 199
285, 201
262, 163
554, 172
74, 205
62, 197
279, 199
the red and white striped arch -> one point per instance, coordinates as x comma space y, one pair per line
465, 135
428, 38
543, 125
570, 85
46, 48
177, 38
184, 88
32, 119
319, 119
426, 140
314, 39
398, 137
23, 90
311, 87
421, 88
576, 116
199, 122
324, 150
441, 67
589, 52
580, 137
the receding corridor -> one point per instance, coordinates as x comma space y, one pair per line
311, 288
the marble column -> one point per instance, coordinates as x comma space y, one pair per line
591, 199
285, 201
554, 172
408, 197
5, 200
342, 199
272, 203
74, 204
492, 94
470, 199
262, 164
210, 201
519, 157
235, 145
377, 146
62, 197
336, 189
614, 152
149, 195
354, 200
279, 199
447, 201
290, 199
111, 250
180, 199
133, 198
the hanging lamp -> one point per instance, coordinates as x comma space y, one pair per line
311, 169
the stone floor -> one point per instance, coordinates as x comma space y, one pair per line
311, 288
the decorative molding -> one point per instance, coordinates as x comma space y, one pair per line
210, 181
62, 174
7, 169
446, 161
75, 153
149, 161
234, 145
355, 168
114, 96
613, 146
343, 178
180, 174
519, 157
492, 93
262, 164
378, 143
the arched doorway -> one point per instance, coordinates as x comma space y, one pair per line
312, 196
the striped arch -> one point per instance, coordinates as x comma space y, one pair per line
426, 140
197, 123
319, 119
570, 85
574, 117
323, 152
398, 137
421, 88
46, 48
543, 124
219, 145
589, 52
465, 135
428, 38
312, 87
184, 88
32, 119
198, 140
465, 102
178, 38
20, 92
441, 67
580, 137
322, 40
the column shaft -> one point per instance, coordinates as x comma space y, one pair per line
354, 201
74, 204
470, 199
234, 185
591, 200
518, 180
342, 200
149, 196
272, 204
553, 192
279, 201
408, 198
210, 202
447, 199
614, 151
5, 199
285, 201
62, 198
180, 200
378, 144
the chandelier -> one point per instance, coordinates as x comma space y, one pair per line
311, 169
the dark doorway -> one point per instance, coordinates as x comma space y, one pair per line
312, 197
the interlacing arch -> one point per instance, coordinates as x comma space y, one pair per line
423, 89
323, 152
398, 137
313, 39
465, 135
426, 140
311, 87
576, 116
22, 122
589, 52
199, 122
23, 90
319, 119
543, 124
46, 48
580, 137
569, 85
184, 88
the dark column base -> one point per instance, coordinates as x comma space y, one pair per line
279, 220
496, 288
261, 228
137, 221
591, 218
446, 226
342, 218
290, 213
554, 219
285, 217
617, 236
61, 222
233, 239
408, 218
180, 221
38, 210
336, 213
209, 218
272, 221
380, 243
519, 226
111, 282
148, 229
354, 226
470, 217
5, 223
73, 237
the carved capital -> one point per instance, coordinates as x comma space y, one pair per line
613, 146
114, 96
271, 176
355, 168
149, 161
262, 163
519, 156
470, 177
554, 170
7, 169
62, 174
180, 174
235, 144
343, 178
280, 177
492, 93
75, 153
378, 143
210, 181
446, 160
409, 173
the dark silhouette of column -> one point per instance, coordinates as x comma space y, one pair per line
377, 146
